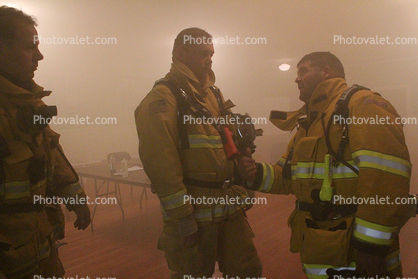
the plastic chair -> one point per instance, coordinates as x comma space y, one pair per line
119, 156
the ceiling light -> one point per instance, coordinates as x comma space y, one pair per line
284, 67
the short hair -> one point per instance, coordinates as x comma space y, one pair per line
322, 59
10, 19
191, 34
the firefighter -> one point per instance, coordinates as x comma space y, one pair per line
328, 162
33, 165
184, 156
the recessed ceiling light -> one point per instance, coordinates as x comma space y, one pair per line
284, 67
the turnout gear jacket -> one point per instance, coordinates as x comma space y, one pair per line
33, 167
168, 165
376, 150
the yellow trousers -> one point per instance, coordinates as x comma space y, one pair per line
229, 242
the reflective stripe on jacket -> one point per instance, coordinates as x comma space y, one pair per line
166, 163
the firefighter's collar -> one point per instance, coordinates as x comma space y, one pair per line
179, 68
8, 87
326, 90
286, 120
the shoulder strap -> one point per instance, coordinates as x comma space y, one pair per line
217, 94
341, 109
184, 100
182, 107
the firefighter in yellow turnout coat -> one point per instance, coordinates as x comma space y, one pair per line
339, 235
33, 165
196, 233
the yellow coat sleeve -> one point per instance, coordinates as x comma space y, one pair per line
379, 150
276, 178
157, 126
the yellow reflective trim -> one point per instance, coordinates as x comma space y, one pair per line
393, 260
20, 189
281, 161
173, 201
374, 226
383, 162
203, 214
319, 271
17, 189
268, 178
220, 210
205, 141
373, 233
373, 240
314, 276
313, 170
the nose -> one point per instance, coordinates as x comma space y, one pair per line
297, 79
38, 55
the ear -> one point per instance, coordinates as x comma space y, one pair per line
326, 72
180, 54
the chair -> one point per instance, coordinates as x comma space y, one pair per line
119, 156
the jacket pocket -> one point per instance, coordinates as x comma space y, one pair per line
305, 155
330, 246
16, 187
306, 148
296, 223
179, 258
20, 152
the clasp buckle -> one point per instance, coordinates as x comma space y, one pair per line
227, 183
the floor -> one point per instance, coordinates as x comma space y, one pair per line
123, 249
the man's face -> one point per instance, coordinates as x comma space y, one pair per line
308, 79
19, 58
198, 58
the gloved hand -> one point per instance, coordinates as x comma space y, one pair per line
83, 217
246, 166
369, 265
189, 230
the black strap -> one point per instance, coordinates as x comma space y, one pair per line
287, 167
181, 109
185, 103
207, 184
217, 94
341, 110
341, 209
